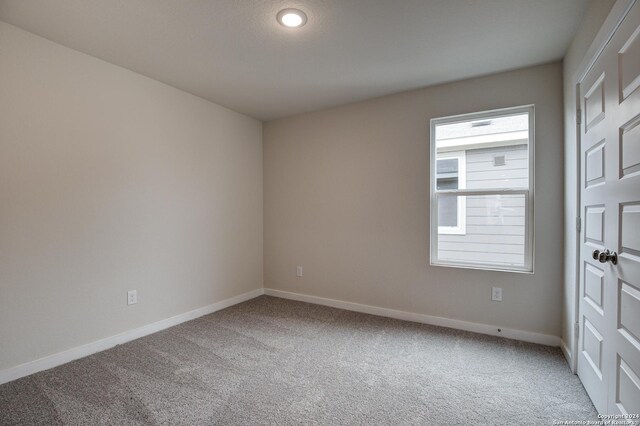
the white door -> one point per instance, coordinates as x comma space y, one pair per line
609, 334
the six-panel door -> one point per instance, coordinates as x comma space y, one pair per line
609, 342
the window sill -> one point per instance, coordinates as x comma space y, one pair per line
517, 270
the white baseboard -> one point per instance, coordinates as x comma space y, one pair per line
567, 354
526, 336
60, 358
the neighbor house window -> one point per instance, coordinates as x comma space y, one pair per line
482, 190
450, 174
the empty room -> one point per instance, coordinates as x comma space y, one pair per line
328, 212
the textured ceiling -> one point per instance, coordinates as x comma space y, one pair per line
234, 53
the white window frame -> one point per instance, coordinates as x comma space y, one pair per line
528, 193
461, 229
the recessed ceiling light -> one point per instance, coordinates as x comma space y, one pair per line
292, 18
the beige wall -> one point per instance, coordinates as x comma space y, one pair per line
347, 197
594, 17
111, 181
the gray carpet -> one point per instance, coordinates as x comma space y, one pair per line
274, 361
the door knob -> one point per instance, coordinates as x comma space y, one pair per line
605, 256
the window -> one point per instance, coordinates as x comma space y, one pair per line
482, 190
450, 174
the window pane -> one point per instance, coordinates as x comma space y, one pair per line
448, 166
449, 183
494, 235
447, 178
496, 150
448, 211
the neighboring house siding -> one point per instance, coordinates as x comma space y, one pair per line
495, 228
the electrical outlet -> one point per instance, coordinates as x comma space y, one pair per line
299, 271
132, 297
496, 294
